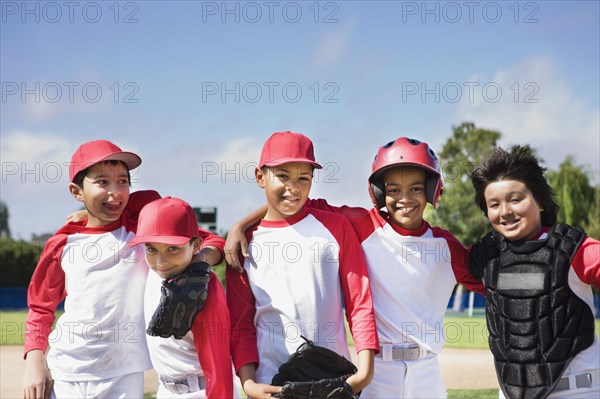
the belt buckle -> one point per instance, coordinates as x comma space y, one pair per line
402, 353
176, 387
413, 352
583, 380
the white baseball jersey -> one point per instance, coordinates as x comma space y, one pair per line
412, 273
101, 333
203, 351
292, 286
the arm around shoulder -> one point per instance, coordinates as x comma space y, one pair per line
460, 266
236, 239
138, 199
209, 254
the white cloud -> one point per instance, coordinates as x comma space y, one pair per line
207, 174
21, 146
332, 47
536, 107
46, 108
34, 181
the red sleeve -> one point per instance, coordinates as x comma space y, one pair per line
46, 291
136, 202
586, 262
354, 279
460, 261
209, 238
323, 205
241, 304
211, 335
459, 258
363, 222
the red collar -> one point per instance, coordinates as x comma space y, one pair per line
287, 221
403, 231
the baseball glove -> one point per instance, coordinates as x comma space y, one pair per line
183, 297
314, 372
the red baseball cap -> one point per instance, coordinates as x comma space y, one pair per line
91, 153
170, 221
285, 147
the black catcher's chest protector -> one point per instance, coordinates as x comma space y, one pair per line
536, 323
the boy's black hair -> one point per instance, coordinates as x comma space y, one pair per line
521, 165
78, 179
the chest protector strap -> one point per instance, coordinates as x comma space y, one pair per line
536, 323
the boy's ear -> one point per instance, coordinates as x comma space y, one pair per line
260, 177
76, 191
196, 244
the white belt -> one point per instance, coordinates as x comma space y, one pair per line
394, 352
584, 379
192, 383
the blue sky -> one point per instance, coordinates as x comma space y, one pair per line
196, 87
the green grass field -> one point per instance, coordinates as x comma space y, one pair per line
472, 393
464, 332
12, 328
461, 332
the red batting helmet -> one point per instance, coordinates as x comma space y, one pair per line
406, 152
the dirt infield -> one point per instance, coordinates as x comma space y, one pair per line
461, 369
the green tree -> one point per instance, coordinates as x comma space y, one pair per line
4, 228
458, 211
18, 260
592, 228
574, 193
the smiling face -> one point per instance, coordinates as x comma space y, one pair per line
287, 187
104, 191
169, 260
512, 210
405, 197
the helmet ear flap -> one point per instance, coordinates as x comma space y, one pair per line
377, 194
433, 190
430, 188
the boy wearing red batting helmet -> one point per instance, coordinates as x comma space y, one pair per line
538, 277
413, 268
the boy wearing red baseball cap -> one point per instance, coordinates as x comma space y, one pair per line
301, 262
98, 345
413, 268
195, 366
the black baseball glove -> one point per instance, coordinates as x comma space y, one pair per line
314, 372
183, 297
